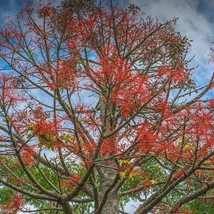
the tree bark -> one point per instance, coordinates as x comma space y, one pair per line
109, 198
66, 208
112, 204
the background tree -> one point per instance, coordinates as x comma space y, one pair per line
98, 107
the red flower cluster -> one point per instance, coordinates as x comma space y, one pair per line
14, 205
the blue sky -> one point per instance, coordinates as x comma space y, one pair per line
196, 21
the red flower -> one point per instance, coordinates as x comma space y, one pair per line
27, 154
14, 205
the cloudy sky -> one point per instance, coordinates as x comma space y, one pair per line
196, 21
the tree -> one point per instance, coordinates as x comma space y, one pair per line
98, 109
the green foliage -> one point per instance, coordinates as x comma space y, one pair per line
202, 206
5, 194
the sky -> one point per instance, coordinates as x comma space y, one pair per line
195, 20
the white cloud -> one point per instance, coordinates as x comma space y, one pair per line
9, 8
193, 23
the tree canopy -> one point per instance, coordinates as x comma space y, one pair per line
99, 108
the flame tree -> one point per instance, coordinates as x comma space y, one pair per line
99, 109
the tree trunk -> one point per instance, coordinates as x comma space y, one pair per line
109, 198
112, 204
66, 208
